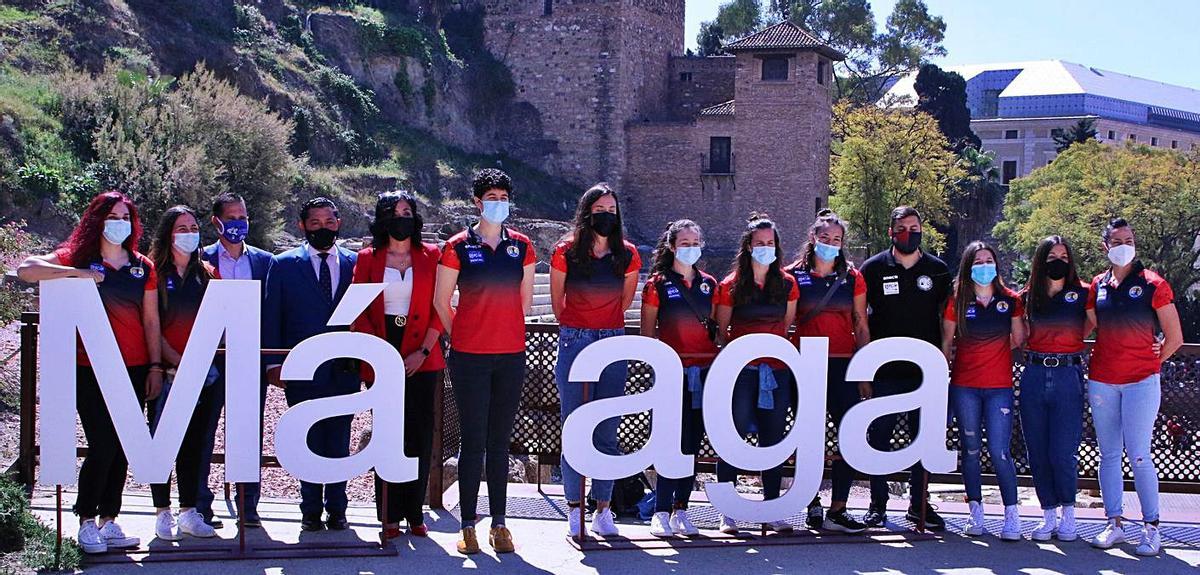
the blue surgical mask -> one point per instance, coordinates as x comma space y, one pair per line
764, 255
826, 252
117, 231
983, 274
688, 255
187, 242
495, 211
235, 231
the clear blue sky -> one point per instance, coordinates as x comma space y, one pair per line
1154, 39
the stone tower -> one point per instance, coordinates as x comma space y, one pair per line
589, 67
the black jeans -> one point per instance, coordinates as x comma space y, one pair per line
770, 424
102, 476
841, 396
487, 390
187, 461
670, 494
879, 436
212, 402
406, 500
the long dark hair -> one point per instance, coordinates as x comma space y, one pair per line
385, 212
743, 273
164, 261
964, 286
83, 246
580, 252
1036, 293
664, 257
806, 259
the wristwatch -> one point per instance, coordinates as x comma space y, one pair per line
426, 351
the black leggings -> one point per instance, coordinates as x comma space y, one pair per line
102, 476
187, 461
841, 396
406, 500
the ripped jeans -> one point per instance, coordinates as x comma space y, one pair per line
976, 409
1124, 417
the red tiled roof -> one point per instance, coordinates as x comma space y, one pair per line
784, 35
722, 109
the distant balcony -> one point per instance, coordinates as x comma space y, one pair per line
717, 166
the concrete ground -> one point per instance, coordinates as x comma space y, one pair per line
542, 546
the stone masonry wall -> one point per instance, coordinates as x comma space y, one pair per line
711, 83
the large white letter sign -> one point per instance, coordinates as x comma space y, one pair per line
70, 305
809, 367
664, 401
929, 446
385, 400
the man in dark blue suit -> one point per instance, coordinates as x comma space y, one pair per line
304, 286
232, 258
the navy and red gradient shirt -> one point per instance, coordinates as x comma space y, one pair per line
1058, 326
1127, 325
121, 292
758, 315
593, 296
490, 317
679, 322
983, 351
836, 319
182, 305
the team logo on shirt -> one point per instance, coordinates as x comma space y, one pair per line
971, 312
1071, 297
1101, 294
673, 292
514, 251
170, 284
925, 283
137, 272
1002, 307
1135, 292
474, 255
802, 278
705, 288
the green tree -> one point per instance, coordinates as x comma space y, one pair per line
738, 18
1158, 191
943, 95
1081, 131
886, 158
710, 39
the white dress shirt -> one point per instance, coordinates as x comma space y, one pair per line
232, 268
334, 268
397, 296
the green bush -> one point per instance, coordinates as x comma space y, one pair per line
27, 540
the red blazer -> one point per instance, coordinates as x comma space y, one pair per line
421, 315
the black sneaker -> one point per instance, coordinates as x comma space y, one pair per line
312, 523
842, 522
933, 521
337, 522
816, 515
213, 522
876, 516
252, 520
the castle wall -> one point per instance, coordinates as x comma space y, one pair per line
696, 83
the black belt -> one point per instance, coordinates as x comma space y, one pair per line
1055, 359
399, 320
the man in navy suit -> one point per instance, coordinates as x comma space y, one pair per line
304, 286
232, 258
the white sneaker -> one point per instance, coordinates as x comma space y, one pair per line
115, 538
660, 524
165, 527
1066, 525
1151, 541
1012, 524
89, 538
574, 519
975, 521
728, 525
1112, 535
779, 526
681, 524
192, 523
1049, 525
603, 523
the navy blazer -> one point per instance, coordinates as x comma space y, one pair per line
294, 310
260, 260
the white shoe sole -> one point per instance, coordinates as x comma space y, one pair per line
730, 530
1066, 538
831, 526
1101, 545
166, 537
94, 548
662, 533
201, 535
1041, 536
126, 543
1145, 553
687, 532
1010, 536
973, 531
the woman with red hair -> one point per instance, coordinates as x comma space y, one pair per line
103, 248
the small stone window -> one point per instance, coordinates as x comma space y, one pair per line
1012, 134
547, 7
1009, 172
822, 70
720, 155
775, 68
1153, 141
1112, 135
685, 76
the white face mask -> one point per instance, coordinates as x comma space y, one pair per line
688, 255
764, 255
116, 231
1121, 255
187, 242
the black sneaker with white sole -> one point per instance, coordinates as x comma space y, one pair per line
933, 521
842, 522
816, 516
875, 516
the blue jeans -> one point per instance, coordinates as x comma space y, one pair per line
770, 423
976, 409
670, 494
1124, 417
1052, 420
571, 341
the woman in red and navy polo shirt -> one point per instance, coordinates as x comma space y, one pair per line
982, 324
833, 304
758, 297
1137, 327
103, 248
593, 277
183, 277
492, 268
677, 307
403, 316
1052, 382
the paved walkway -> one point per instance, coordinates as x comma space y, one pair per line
543, 548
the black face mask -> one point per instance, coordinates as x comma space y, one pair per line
321, 238
906, 242
401, 227
1057, 269
604, 223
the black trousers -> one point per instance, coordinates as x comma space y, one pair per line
405, 501
102, 476
191, 452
